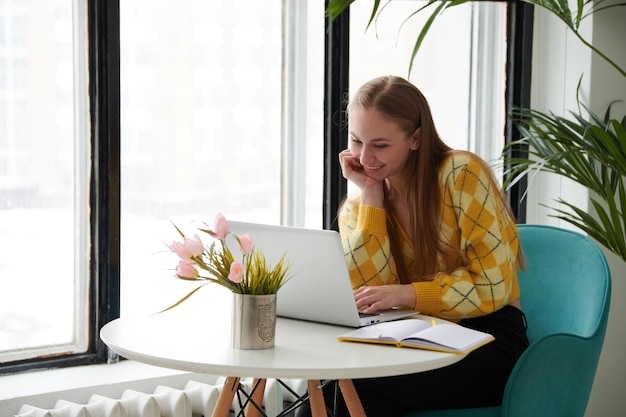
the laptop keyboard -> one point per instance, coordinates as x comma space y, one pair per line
362, 315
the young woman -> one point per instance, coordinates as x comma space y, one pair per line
431, 230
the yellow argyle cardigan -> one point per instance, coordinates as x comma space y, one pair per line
473, 219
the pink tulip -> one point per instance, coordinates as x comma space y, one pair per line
186, 269
245, 244
221, 226
195, 245
188, 248
179, 249
236, 272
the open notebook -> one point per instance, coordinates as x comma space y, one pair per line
320, 290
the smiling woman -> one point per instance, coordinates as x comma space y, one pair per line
429, 230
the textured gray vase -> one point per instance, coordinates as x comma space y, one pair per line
254, 321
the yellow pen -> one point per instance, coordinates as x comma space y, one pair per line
434, 322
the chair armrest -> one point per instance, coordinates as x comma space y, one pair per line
553, 377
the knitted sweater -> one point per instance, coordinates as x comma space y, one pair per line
473, 219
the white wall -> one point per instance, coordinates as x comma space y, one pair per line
559, 60
608, 397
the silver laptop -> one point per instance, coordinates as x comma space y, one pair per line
320, 288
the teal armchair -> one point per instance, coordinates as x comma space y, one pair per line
566, 291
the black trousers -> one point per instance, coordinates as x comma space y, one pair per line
478, 380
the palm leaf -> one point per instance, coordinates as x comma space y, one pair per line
607, 229
588, 150
420, 38
336, 7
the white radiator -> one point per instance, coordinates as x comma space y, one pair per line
195, 400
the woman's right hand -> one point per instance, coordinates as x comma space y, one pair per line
370, 299
353, 171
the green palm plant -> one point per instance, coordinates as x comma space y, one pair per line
588, 149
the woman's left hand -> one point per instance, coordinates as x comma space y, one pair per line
383, 297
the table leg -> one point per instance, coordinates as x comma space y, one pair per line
353, 402
316, 398
225, 400
258, 387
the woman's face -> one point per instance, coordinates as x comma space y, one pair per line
380, 145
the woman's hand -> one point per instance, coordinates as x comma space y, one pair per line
352, 169
383, 297
371, 188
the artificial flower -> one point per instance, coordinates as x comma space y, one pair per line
236, 272
188, 248
186, 268
217, 264
220, 229
245, 244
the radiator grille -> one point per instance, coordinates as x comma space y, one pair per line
196, 399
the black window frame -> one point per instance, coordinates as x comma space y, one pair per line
103, 23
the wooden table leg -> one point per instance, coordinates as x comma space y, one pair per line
316, 398
258, 387
225, 400
353, 402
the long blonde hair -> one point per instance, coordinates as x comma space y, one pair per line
402, 102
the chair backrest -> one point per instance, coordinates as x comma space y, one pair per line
566, 283
566, 290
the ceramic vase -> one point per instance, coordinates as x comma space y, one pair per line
254, 321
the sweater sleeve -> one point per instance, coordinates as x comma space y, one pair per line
476, 224
366, 244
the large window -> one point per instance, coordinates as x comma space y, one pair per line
221, 111
43, 180
221, 108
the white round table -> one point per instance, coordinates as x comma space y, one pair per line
196, 337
